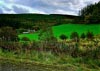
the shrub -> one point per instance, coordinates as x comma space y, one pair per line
63, 37
26, 47
74, 36
21, 30
90, 35
25, 39
8, 34
83, 36
35, 45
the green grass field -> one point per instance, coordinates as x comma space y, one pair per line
67, 29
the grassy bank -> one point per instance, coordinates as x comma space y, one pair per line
48, 59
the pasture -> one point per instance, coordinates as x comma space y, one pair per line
67, 29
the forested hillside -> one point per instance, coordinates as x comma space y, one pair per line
30, 20
90, 14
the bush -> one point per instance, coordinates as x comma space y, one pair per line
63, 37
26, 46
83, 36
8, 34
90, 35
35, 45
74, 36
21, 30
25, 39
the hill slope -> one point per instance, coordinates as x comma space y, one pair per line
29, 20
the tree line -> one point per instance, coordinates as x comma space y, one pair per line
29, 21
76, 37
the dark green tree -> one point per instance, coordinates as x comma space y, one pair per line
90, 35
90, 14
63, 37
83, 36
8, 34
74, 36
25, 39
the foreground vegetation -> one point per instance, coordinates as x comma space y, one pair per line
28, 65
79, 54
72, 60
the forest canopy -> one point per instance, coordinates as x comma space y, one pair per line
90, 14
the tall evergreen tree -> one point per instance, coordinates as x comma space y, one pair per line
90, 14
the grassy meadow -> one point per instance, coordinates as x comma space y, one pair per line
67, 29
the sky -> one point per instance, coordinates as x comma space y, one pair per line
70, 7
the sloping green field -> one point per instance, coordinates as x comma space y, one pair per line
67, 29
